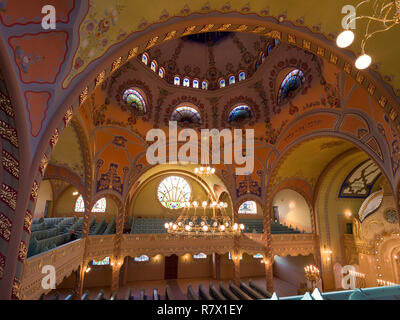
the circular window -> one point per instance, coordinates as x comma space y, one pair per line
186, 116
290, 85
173, 191
135, 100
240, 114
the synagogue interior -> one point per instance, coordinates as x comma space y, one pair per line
304, 122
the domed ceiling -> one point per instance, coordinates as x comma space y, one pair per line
211, 56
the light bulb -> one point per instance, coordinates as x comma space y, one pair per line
75, 193
241, 226
196, 170
363, 61
213, 170
205, 228
222, 227
174, 226
166, 226
188, 228
204, 204
345, 39
235, 226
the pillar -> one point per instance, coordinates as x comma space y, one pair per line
216, 260
236, 260
79, 281
268, 254
115, 281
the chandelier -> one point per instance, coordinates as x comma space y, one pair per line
218, 224
204, 171
384, 16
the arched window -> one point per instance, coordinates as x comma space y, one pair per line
104, 262
242, 76
240, 114
204, 85
200, 256
248, 207
269, 49
173, 191
186, 82
186, 115
161, 72
231, 80
99, 206
145, 58
177, 81
195, 83
142, 258
153, 66
222, 83
262, 57
276, 41
135, 100
290, 85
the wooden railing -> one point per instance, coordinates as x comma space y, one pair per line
65, 259
70, 256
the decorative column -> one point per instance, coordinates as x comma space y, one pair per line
116, 267
216, 260
236, 260
118, 259
268, 256
80, 277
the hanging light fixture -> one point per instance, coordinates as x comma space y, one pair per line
219, 223
385, 15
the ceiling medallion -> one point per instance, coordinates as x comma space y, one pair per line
391, 216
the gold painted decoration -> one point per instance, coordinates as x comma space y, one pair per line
242, 28
54, 138
43, 165
8, 133
34, 191
68, 115
207, 28
170, 35
258, 29
371, 89
132, 53
5, 105
291, 38
320, 51
10, 164
224, 27
306, 44
188, 30
28, 221
9, 196
360, 78
5, 227
83, 96
16, 289
101, 76
152, 42
392, 114
22, 251
333, 59
383, 101
347, 67
116, 64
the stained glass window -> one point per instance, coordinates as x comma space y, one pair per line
200, 256
142, 258
222, 83
239, 114
186, 82
263, 58
161, 72
134, 99
248, 207
269, 49
99, 206
177, 81
145, 58
196, 84
153, 66
242, 76
186, 115
290, 84
258, 256
104, 262
231, 80
173, 191
204, 85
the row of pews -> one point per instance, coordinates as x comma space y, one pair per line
245, 291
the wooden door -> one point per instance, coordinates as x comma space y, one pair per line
171, 267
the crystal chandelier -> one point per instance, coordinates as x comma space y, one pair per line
384, 16
218, 224
204, 171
